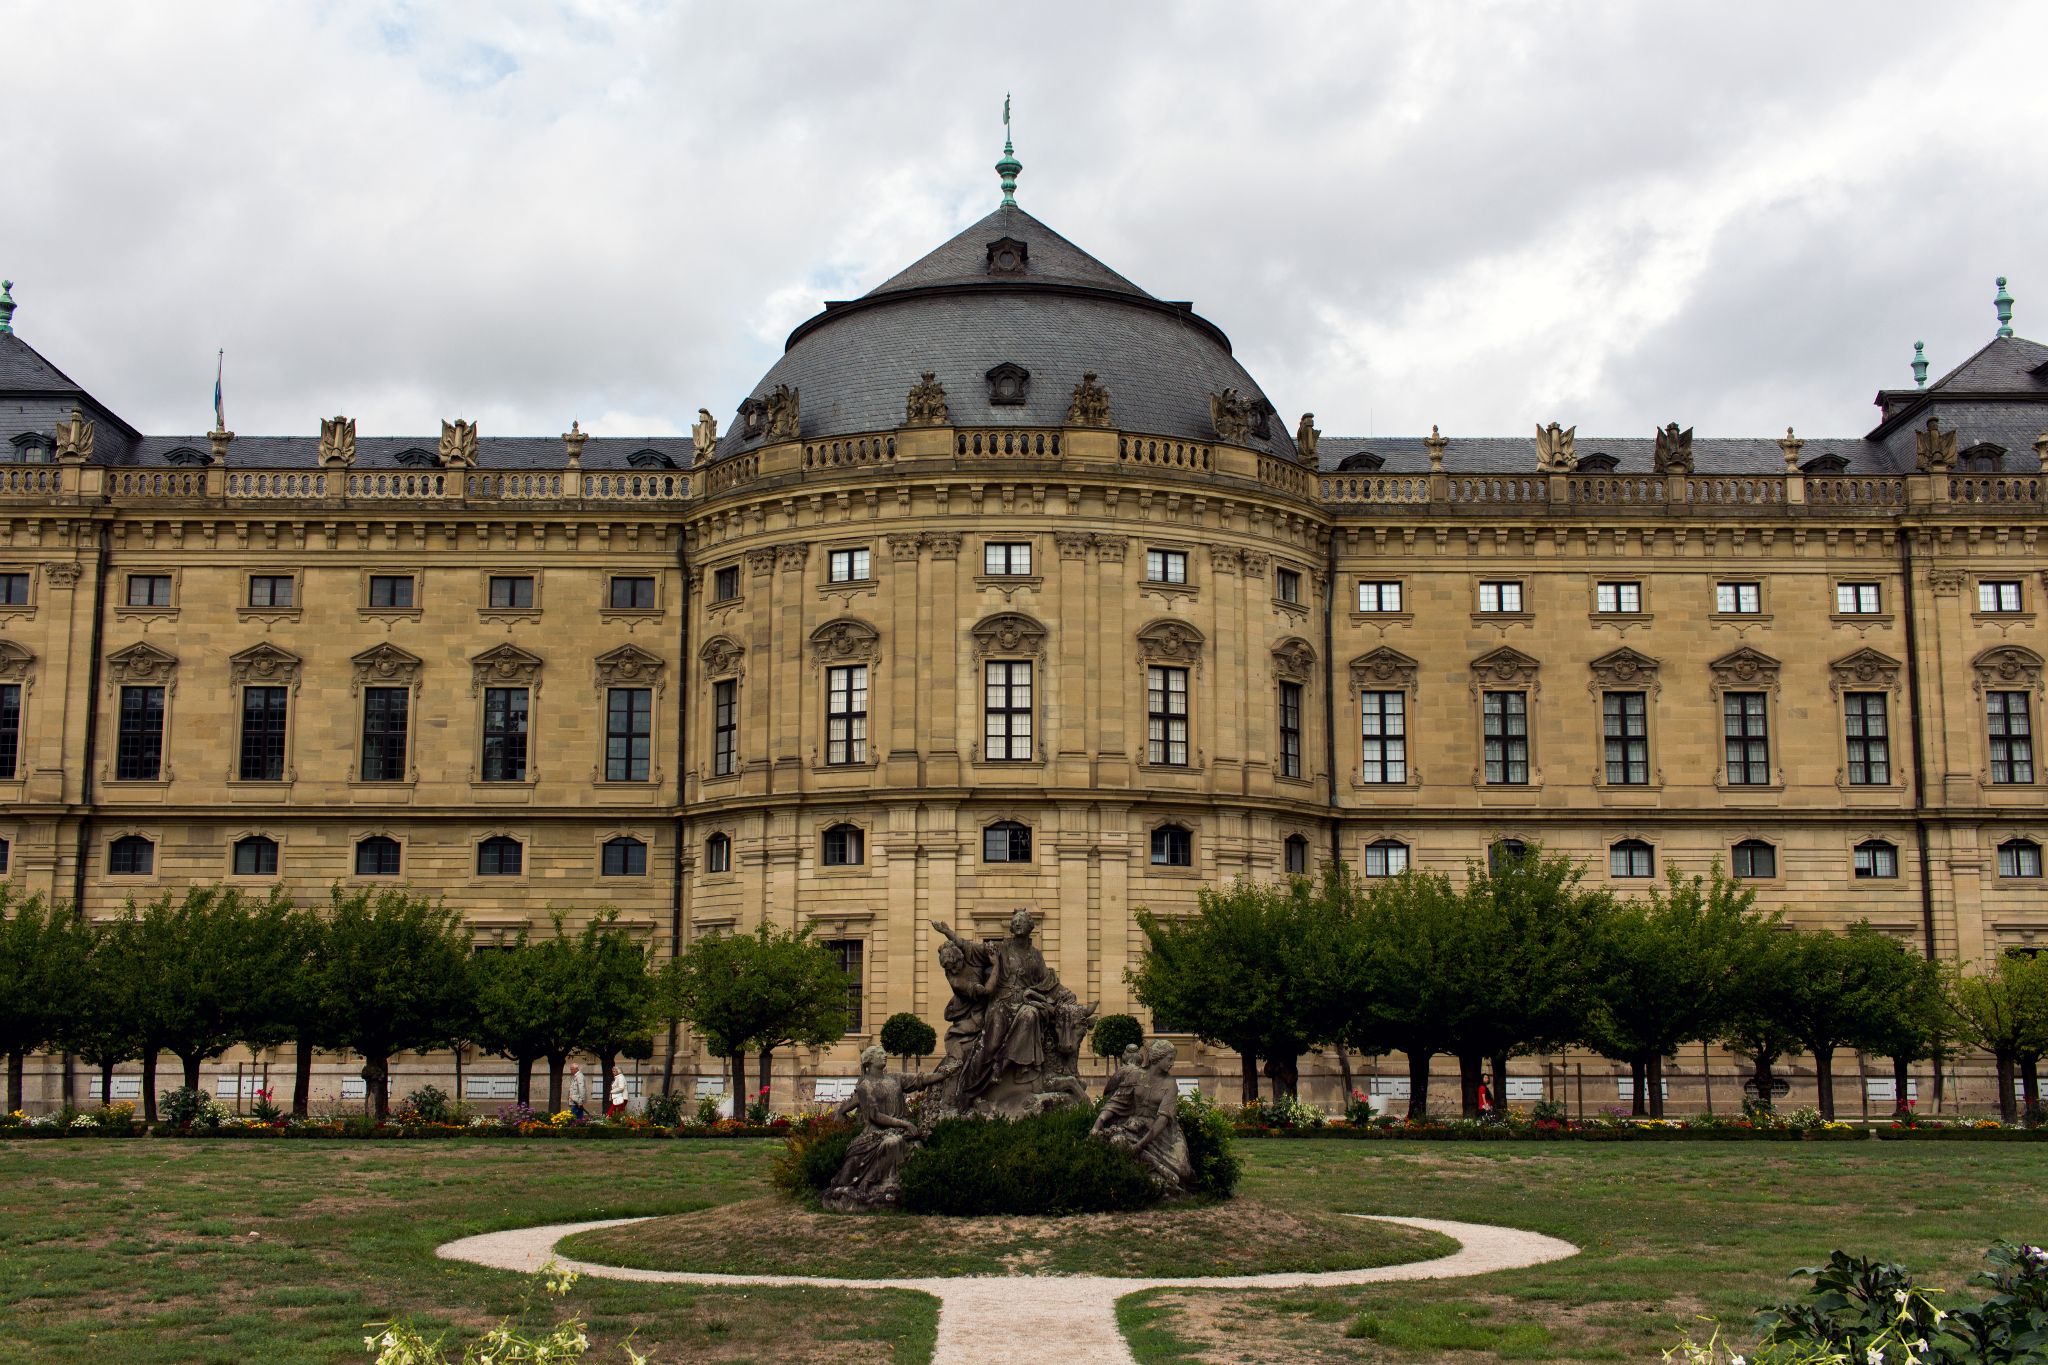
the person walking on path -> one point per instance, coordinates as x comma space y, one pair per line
579, 1091
617, 1098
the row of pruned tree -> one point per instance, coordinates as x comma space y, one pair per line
1526, 957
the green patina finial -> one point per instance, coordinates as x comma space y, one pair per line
6, 306
1919, 364
2004, 305
1009, 168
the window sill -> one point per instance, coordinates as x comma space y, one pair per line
1739, 618
138, 784
1621, 619
390, 613
1170, 870
1382, 618
406, 785
2003, 618
1146, 765
508, 614
124, 612
1503, 618
825, 869
267, 613
1860, 619
628, 613
1744, 788
524, 784
12, 610
1359, 784
1166, 589
1294, 780
1007, 581
997, 765
866, 765
718, 604
1298, 610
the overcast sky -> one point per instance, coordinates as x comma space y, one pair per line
1482, 216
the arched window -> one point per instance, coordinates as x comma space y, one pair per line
186, 455
1755, 858
1631, 858
1006, 841
1982, 458
1173, 846
499, 856
131, 855
1827, 464
1386, 858
2019, 858
32, 447
624, 856
1505, 853
1297, 854
415, 458
718, 853
1360, 461
256, 856
844, 846
650, 459
1599, 462
1877, 858
377, 856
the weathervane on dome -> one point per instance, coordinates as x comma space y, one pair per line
1009, 168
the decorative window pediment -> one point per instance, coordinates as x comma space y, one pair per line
186, 455
384, 665
264, 665
416, 458
142, 663
504, 666
1168, 641
1624, 667
2008, 666
1294, 659
629, 666
1010, 634
1007, 256
1864, 670
15, 662
846, 640
1826, 464
1745, 667
650, 459
722, 656
1599, 462
1009, 385
1362, 460
1383, 670
1505, 666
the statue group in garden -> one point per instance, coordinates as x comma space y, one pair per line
1013, 1045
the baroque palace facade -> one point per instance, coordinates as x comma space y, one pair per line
1007, 586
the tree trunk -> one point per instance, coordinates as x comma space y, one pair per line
556, 1061
1762, 1075
668, 1062
148, 1085
1638, 1088
1344, 1070
767, 1074
523, 1091
1285, 1072
458, 1075
2030, 1083
302, 1077
1902, 1084
106, 1084
191, 1081
1940, 1060
2007, 1110
1653, 1082
1248, 1088
14, 1065
1499, 1068
604, 1081
739, 1083
1468, 1084
377, 1072
1824, 1078
1418, 1086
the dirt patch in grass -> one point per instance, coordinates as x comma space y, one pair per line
1237, 1237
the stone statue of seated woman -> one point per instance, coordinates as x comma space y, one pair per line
1141, 1114
871, 1175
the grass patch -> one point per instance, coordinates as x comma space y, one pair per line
170, 1253
1669, 1233
1237, 1237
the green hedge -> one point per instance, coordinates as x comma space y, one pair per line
1044, 1164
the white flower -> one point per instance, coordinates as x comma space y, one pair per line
1874, 1356
1898, 1296
1737, 1360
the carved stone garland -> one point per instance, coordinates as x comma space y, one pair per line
1010, 635
504, 666
384, 665
1168, 641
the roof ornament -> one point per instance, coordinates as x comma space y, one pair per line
2041, 451
703, 436
337, 442
1436, 443
2003, 303
74, 439
573, 439
780, 409
1306, 436
1936, 448
1674, 450
1009, 168
458, 444
926, 405
1554, 449
1232, 414
1090, 404
1919, 364
1791, 445
6, 306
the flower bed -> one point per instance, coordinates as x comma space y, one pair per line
120, 1121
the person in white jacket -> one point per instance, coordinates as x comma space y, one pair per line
579, 1090
617, 1098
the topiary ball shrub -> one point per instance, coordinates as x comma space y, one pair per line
1115, 1032
1207, 1131
1044, 1164
815, 1152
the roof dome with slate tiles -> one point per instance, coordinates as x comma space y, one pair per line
1007, 292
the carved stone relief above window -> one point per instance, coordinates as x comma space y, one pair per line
384, 666
723, 657
1009, 634
1505, 667
504, 666
1745, 668
1294, 660
2007, 667
17, 665
143, 664
264, 665
630, 666
1864, 671
847, 640
1170, 642
1625, 668
1383, 670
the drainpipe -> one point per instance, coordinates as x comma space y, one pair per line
683, 683
86, 794
1330, 690
1919, 763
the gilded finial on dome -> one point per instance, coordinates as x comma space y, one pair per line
1009, 168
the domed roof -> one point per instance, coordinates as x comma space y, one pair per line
1005, 296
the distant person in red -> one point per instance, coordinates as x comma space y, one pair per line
1485, 1102
616, 1101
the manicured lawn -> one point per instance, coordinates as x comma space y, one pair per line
1240, 1237
1670, 1233
152, 1252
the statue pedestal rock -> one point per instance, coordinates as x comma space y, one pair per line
1013, 1032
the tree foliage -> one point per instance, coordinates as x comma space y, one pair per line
41, 951
764, 990
1115, 1032
394, 978
907, 1035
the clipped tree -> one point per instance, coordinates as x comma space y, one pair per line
520, 1015
2003, 1008
394, 977
764, 990
1846, 989
907, 1035
41, 951
103, 1026
1662, 973
1917, 1027
1217, 974
1115, 1032
1414, 957
615, 990
1759, 1025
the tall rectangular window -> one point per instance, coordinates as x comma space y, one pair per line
13, 589
271, 590
1746, 739
1379, 596
1625, 723
1007, 710
1006, 558
1287, 584
139, 742
1505, 728
1738, 599
10, 729
725, 584
390, 591
2012, 737
263, 722
1290, 729
1618, 598
1500, 596
1386, 737
849, 953
846, 714
1166, 566
149, 590
505, 734
1857, 599
1869, 734
1997, 596
628, 734
385, 713
1166, 716
850, 566
725, 727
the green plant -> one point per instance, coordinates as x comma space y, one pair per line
428, 1104
1210, 1151
186, 1107
758, 1113
1115, 1032
1549, 1111
708, 1110
1044, 1164
665, 1111
508, 1343
906, 1035
813, 1155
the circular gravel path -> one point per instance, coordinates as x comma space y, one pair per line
1071, 1319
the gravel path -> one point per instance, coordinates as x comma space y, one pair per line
1020, 1319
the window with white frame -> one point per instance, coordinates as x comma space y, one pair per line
1290, 729
1500, 595
1006, 710
1745, 736
1625, 726
1738, 599
846, 714
1173, 846
1384, 722
1006, 558
1166, 716
1166, 566
1997, 596
1386, 858
849, 566
1618, 598
1867, 728
725, 727
2011, 727
844, 846
1876, 858
2019, 858
1858, 599
1753, 858
1631, 858
1504, 727
718, 853
1379, 595
1006, 841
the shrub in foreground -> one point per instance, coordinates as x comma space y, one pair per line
1207, 1130
814, 1154
1044, 1164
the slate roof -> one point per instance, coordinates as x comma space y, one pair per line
1633, 454
382, 452
1049, 258
2005, 365
23, 370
